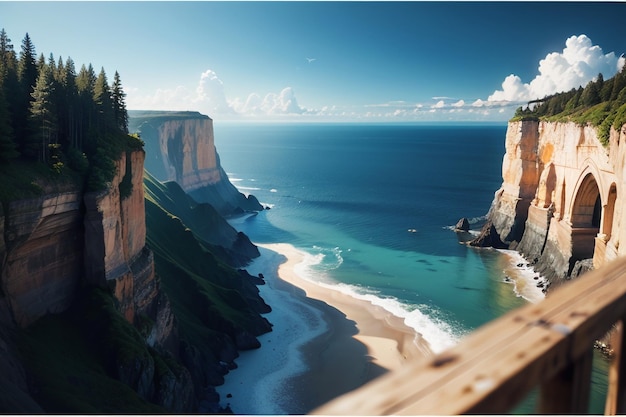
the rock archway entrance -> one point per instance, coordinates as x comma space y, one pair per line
586, 219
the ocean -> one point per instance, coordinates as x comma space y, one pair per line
374, 207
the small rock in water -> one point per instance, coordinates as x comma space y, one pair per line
462, 225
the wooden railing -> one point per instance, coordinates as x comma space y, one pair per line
548, 345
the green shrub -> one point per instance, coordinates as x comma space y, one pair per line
77, 161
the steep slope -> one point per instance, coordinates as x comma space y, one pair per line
217, 307
103, 310
207, 224
181, 148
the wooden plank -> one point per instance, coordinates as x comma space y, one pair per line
616, 396
499, 381
502, 359
568, 392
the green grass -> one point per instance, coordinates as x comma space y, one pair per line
209, 298
25, 179
66, 359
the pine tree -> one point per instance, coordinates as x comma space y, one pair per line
103, 102
119, 104
27, 75
591, 94
85, 114
42, 114
69, 131
9, 96
27, 70
572, 103
7, 55
619, 83
7, 144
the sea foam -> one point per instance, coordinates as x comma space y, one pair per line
523, 277
425, 320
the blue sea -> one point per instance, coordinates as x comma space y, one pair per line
374, 207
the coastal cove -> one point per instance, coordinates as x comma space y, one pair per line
368, 221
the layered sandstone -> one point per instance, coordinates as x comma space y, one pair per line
558, 204
42, 251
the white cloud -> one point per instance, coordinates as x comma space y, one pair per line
210, 95
578, 63
459, 103
282, 104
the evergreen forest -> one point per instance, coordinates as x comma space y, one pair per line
601, 103
57, 121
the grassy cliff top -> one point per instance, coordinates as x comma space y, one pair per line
601, 103
137, 117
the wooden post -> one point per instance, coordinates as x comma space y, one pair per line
616, 396
568, 392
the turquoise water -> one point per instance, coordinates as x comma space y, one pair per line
374, 206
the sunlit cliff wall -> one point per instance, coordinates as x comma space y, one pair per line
561, 202
54, 244
181, 148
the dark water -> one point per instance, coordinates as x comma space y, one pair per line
373, 206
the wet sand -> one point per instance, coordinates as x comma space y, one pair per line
362, 341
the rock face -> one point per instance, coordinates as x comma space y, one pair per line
558, 203
462, 225
42, 251
115, 236
53, 245
86, 256
181, 148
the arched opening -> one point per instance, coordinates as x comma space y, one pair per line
586, 219
597, 213
587, 204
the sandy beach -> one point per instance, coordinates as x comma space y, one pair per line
324, 343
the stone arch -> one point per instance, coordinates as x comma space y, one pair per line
586, 215
585, 204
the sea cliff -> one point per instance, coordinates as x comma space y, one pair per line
558, 204
181, 148
122, 290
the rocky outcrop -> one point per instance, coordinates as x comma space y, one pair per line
181, 148
115, 236
462, 225
558, 203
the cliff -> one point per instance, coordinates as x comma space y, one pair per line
558, 204
58, 244
181, 148
104, 312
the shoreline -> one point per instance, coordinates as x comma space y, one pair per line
341, 360
330, 343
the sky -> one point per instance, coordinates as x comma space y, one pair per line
331, 61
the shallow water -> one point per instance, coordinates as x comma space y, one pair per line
373, 207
